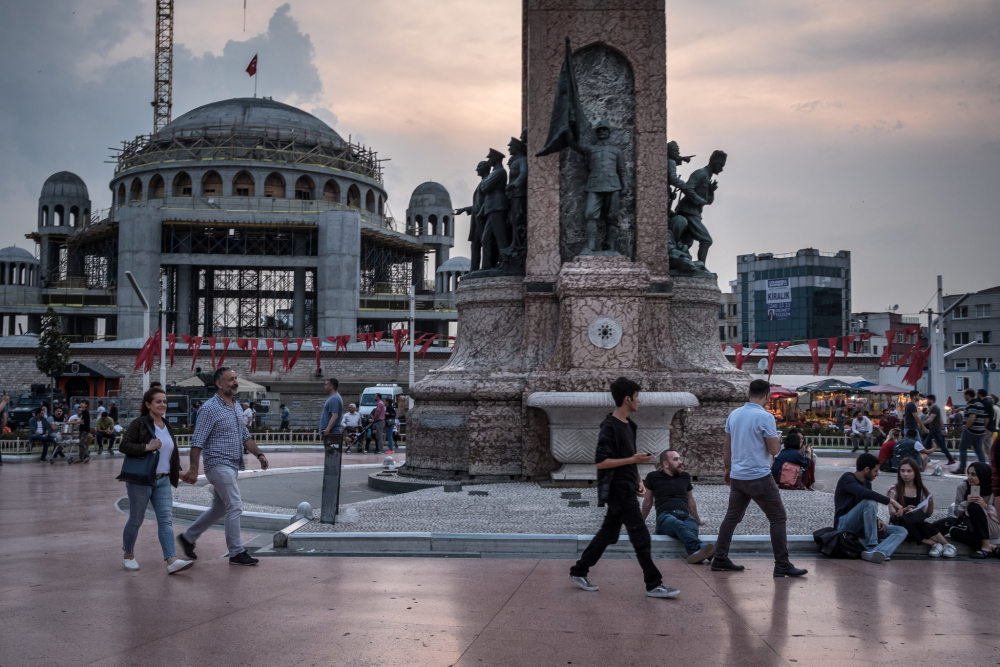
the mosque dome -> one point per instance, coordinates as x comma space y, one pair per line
65, 184
15, 254
252, 115
430, 194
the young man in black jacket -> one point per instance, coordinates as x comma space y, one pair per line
619, 487
856, 510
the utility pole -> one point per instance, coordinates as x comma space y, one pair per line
413, 337
163, 333
163, 64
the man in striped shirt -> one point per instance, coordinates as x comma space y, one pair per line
220, 437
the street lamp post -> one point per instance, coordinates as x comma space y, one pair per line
145, 322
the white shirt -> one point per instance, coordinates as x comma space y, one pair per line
38, 427
862, 425
100, 411
248, 417
748, 426
166, 449
352, 420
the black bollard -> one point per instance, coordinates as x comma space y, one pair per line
333, 445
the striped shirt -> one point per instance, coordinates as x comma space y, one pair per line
220, 434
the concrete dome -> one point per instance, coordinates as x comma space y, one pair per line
252, 112
15, 254
65, 184
430, 194
458, 264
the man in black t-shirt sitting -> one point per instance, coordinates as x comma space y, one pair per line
671, 491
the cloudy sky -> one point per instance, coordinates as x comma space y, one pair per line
869, 127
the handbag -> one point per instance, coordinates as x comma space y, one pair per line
914, 517
141, 470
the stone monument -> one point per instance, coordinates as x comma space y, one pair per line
556, 336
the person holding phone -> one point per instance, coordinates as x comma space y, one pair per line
619, 488
909, 491
975, 509
149, 433
752, 438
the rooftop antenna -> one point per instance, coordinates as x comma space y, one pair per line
163, 68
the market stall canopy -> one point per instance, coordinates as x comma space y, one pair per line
781, 392
799, 380
246, 386
833, 384
887, 389
864, 383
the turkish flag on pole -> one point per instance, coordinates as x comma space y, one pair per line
252, 67
772, 352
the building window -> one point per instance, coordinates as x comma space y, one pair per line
274, 186
243, 185
961, 383
331, 192
722, 312
960, 313
984, 364
182, 185
156, 187
304, 188
983, 310
961, 364
354, 197
722, 334
874, 349
732, 309
960, 338
211, 185
733, 332
985, 337
135, 192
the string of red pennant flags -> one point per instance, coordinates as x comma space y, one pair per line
917, 355
150, 350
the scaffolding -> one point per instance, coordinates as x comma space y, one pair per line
246, 239
386, 270
163, 68
252, 303
260, 143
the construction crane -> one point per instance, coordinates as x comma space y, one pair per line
163, 70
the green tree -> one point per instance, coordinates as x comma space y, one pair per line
53, 350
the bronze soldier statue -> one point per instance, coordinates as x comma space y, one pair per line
679, 254
476, 219
496, 236
686, 226
517, 192
604, 185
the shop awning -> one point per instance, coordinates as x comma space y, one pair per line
887, 389
782, 392
831, 384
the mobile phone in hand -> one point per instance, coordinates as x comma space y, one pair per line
974, 490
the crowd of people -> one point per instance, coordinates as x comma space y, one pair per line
70, 425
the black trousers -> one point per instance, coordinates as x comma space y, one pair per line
974, 530
621, 512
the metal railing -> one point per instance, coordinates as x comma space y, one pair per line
25, 446
844, 442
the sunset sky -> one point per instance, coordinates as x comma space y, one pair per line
869, 127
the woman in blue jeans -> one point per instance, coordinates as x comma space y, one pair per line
148, 433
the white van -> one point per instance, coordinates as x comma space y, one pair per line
368, 396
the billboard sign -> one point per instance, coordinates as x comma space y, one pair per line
779, 300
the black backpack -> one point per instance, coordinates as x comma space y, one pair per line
838, 543
904, 449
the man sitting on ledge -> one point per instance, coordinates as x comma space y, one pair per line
856, 511
676, 512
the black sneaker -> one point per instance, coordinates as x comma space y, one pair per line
721, 565
243, 558
186, 547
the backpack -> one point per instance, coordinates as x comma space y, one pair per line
838, 543
792, 477
904, 449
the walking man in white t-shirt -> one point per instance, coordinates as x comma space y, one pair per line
752, 438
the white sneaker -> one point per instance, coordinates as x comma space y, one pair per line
936, 550
949, 551
583, 583
873, 556
663, 591
179, 566
130, 564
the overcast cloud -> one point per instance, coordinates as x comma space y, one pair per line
870, 127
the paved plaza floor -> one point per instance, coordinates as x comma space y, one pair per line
65, 600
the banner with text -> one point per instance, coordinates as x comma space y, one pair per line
779, 299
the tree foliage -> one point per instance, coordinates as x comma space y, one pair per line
53, 348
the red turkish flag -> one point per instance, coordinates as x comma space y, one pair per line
252, 67
814, 352
845, 343
316, 348
772, 352
832, 342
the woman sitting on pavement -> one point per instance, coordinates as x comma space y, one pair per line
885, 452
909, 491
791, 454
138, 439
977, 513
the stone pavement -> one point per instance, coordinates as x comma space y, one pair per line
65, 600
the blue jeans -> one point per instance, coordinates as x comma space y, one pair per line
936, 436
862, 520
976, 442
682, 526
388, 436
46, 440
140, 496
